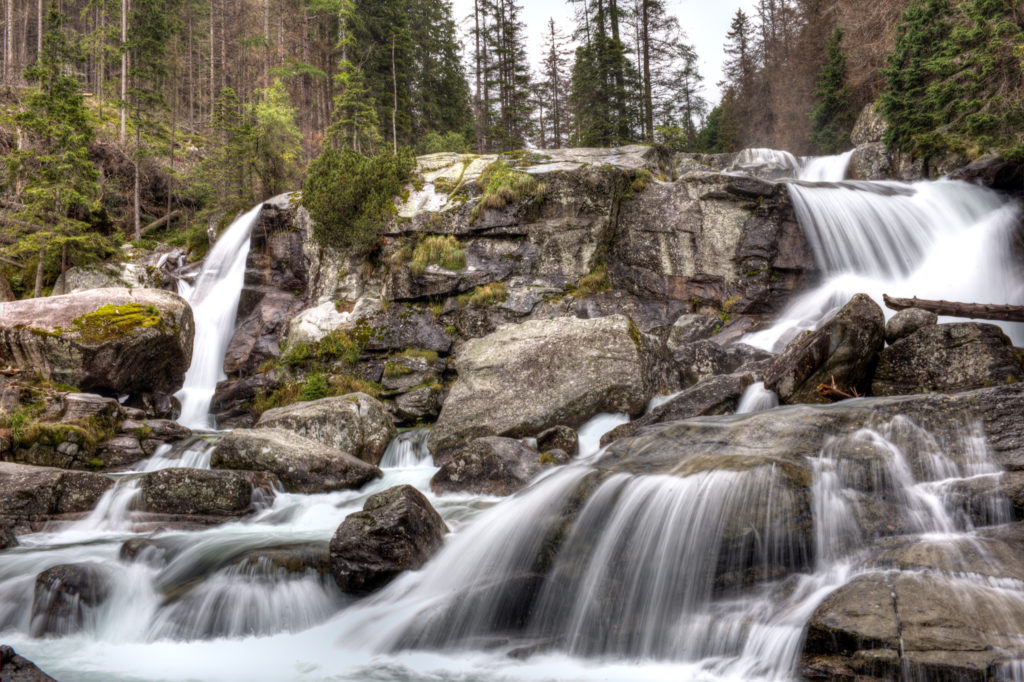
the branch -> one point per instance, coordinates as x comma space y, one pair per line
977, 311
160, 222
833, 392
8, 261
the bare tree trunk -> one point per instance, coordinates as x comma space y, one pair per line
648, 99
39, 274
136, 198
977, 311
39, 27
9, 44
213, 77
394, 109
123, 135
266, 41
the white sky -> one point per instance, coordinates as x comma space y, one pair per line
705, 22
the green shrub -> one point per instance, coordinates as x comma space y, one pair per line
314, 387
349, 196
443, 250
338, 345
434, 142
296, 354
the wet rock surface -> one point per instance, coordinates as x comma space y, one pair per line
717, 395
28, 492
354, 423
302, 465
843, 350
15, 668
196, 492
489, 466
397, 530
947, 357
66, 597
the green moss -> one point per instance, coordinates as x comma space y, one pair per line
443, 250
111, 322
593, 283
502, 186
429, 355
547, 458
640, 180
485, 295
634, 333
393, 370
314, 387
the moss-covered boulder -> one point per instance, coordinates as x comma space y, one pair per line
115, 340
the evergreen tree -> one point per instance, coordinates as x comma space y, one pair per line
553, 86
356, 124
276, 141
832, 118
59, 187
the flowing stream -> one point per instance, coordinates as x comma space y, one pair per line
599, 570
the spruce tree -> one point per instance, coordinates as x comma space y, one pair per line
59, 184
832, 118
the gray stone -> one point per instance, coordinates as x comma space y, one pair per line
869, 127
15, 668
525, 378
195, 491
906, 322
843, 350
81, 406
993, 171
353, 423
691, 328
560, 437
302, 465
702, 360
66, 597
148, 348
488, 466
947, 357
120, 452
715, 395
30, 491
397, 530
420, 404
158, 429
7, 536
871, 161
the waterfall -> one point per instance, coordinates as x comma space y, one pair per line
933, 240
214, 301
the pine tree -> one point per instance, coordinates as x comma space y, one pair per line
276, 141
832, 118
356, 124
553, 86
59, 184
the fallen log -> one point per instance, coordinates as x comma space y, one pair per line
976, 311
160, 222
833, 392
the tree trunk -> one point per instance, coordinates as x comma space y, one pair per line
39, 274
39, 28
648, 99
977, 311
136, 198
394, 109
123, 135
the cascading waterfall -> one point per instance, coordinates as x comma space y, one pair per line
214, 300
933, 240
708, 568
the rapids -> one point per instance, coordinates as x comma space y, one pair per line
611, 568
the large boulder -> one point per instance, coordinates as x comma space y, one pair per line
66, 598
843, 349
15, 668
196, 492
717, 395
488, 466
869, 127
116, 340
31, 492
397, 530
947, 357
921, 626
525, 378
906, 322
302, 465
991, 170
354, 423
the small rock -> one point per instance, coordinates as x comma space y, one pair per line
301, 464
353, 423
906, 322
81, 406
397, 530
120, 452
423, 403
159, 429
15, 668
7, 537
196, 491
65, 595
488, 466
560, 437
